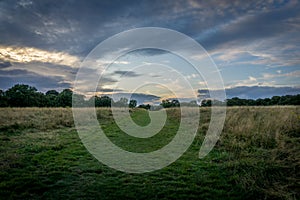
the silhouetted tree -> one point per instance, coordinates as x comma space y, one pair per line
206, 103
22, 95
189, 104
123, 102
51, 98
78, 100
175, 103
168, 103
132, 103
64, 99
145, 106
275, 100
103, 101
52, 92
3, 99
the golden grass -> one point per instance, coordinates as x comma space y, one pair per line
38, 118
261, 126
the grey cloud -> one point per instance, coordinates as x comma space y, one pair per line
8, 78
107, 80
4, 64
72, 26
66, 73
251, 27
149, 52
77, 26
14, 73
108, 90
256, 92
126, 73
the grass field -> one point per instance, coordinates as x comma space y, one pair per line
257, 157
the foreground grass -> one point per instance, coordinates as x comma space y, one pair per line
41, 156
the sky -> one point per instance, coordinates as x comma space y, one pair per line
254, 44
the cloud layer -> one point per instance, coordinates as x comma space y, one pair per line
254, 43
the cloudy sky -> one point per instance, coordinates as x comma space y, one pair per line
253, 43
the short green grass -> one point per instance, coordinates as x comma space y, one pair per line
257, 157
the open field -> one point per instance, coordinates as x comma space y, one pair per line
257, 157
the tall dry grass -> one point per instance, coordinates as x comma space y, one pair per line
262, 127
262, 144
35, 118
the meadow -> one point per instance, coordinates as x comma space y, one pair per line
257, 157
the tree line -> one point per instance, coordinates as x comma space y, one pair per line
275, 100
22, 95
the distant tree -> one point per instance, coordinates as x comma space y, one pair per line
94, 101
123, 102
41, 99
295, 100
275, 100
260, 102
132, 103
175, 103
78, 100
267, 101
21, 95
52, 98
168, 103
251, 102
3, 99
235, 101
64, 99
289, 100
52, 92
216, 102
206, 103
203, 94
193, 103
145, 106
103, 101
189, 104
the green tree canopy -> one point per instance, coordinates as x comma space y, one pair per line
132, 103
22, 95
64, 99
